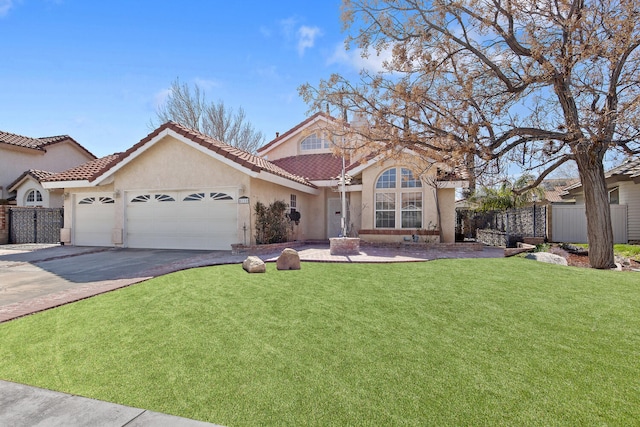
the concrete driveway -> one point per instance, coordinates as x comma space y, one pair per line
34, 280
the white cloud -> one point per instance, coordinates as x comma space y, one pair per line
265, 31
206, 84
307, 38
5, 6
160, 98
287, 26
355, 59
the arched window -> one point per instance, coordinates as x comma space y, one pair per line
398, 199
314, 142
33, 198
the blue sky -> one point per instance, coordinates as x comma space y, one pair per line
96, 70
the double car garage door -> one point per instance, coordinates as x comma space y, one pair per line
205, 219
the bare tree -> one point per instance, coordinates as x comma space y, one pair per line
189, 107
495, 82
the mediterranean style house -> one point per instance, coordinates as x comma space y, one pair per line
178, 188
25, 162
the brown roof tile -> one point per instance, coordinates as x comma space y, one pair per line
313, 167
87, 171
37, 143
38, 175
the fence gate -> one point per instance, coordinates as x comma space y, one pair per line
35, 225
569, 223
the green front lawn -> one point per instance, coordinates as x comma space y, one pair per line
450, 342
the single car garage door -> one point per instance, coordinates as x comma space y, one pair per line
94, 219
205, 219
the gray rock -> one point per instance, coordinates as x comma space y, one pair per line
547, 257
253, 264
625, 262
288, 260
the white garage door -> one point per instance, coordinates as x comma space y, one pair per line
181, 220
94, 219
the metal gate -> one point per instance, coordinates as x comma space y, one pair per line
35, 225
569, 223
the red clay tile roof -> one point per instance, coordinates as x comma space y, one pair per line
38, 175
313, 166
37, 143
294, 129
87, 171
92, 170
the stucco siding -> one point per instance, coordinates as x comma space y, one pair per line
307, 205
445, 200
50, 198
57, 158
291, 146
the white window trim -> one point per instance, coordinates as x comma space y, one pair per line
397, 190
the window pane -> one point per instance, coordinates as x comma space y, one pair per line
387, 179
385, 201
313, 142
411, 201
411, 219
408, 180
385, 219
412, 210
614, 196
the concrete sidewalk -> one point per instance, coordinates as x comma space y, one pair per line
25, 406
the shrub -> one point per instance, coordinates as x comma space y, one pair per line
272, 223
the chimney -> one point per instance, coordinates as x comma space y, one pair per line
277, 134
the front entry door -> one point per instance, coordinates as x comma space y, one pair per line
333, 217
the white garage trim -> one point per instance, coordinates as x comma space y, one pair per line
94, 217
185, 219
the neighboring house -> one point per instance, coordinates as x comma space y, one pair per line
25, 162
178, 188
29, 191
554, 189
623, 183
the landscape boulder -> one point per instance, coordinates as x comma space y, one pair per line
288, 260
547, 257
253, 264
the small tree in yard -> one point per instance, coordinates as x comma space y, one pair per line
485, 82
272, 224
507, 196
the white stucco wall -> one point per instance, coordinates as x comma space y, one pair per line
291, 146
50, 198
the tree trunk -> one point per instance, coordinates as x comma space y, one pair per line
596, 200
